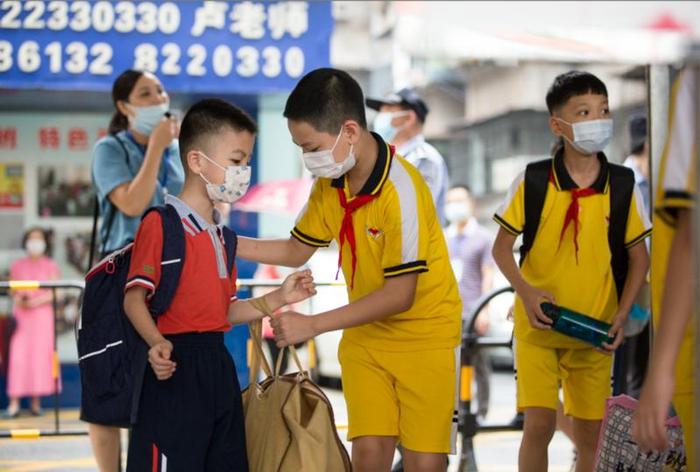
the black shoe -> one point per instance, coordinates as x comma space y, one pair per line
38, 412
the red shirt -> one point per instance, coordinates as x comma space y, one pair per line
205, 291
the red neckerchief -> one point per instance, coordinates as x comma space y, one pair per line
347, 232
573, 211
346, 229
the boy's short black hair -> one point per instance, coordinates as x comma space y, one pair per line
326, 98
210, 116
571, 84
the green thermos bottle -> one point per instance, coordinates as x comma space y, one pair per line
577, 325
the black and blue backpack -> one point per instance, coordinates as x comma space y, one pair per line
112, 356
621, 194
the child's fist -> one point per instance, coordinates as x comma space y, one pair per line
297, 287
532, 298
159, 358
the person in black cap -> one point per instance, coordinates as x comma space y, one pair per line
400, 122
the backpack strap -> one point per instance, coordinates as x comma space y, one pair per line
106, 229
172, 260
536, 184
231, 243
621, 194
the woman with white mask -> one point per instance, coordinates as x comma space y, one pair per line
138, 163
133, 168
30, 366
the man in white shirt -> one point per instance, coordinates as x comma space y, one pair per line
400, 122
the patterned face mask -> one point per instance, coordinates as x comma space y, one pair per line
235, 185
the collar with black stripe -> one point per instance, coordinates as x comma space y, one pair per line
564, 182
380, 172
199, 223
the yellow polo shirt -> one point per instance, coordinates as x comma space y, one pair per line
586, 285
396, 233
676, 190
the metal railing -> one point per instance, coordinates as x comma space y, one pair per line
53, 285
471, 344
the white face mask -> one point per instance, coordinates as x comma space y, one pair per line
146, 118
36, 247
590, 137
236, 182
323, 164
383, 127
457, 212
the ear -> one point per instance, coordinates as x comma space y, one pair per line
194, 161
123, 108
352, 131
555, 126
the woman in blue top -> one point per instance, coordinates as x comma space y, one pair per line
138, 163
132, 169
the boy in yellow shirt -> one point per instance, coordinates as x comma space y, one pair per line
571, 262
671, 374
402, 325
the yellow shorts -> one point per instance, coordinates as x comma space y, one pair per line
584, 375
408, 395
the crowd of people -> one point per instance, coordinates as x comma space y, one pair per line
415, 259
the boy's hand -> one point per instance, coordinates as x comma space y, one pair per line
297, 287
617, 332
532, 297
649, 421
291, 327
159, 358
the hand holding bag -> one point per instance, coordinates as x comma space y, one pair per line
289, 421
618, 452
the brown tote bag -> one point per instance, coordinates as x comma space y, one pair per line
289, 422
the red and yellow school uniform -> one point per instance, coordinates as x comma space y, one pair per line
405, 363
575, 266
676, 190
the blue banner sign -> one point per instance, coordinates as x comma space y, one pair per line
193, 46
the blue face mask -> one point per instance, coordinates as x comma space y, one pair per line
383, 127
146, 118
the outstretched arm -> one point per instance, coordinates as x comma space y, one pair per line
297, 287
396, 296
284, 252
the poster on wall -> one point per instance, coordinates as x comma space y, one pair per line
11, 186
195, 46
65, 191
